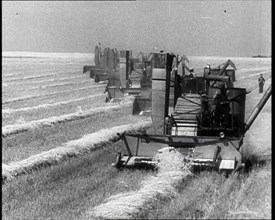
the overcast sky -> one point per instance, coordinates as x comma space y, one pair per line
199, 28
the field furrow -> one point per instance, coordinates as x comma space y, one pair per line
55, 110
54, 85
172, 171
26, 109
33, 77
55, 79
44, 90
79, 183
72, 148
51, 94
53, 99
23, 145
58, 130
18, 128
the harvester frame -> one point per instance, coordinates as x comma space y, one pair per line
218, 148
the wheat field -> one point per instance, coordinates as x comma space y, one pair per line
51, 113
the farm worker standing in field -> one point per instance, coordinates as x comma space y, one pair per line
261, 82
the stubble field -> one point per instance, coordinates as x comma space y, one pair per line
38, 91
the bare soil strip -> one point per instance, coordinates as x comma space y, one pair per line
50, 94
18, 128
70, 149
172, 171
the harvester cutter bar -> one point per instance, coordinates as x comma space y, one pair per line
181, 141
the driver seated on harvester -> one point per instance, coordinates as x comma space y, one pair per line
206, 112
191, 81
222, 107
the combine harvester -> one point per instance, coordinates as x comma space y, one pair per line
203, 117
133, 77
105, 61
124, 75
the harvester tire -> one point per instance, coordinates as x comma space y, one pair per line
118, 161
92, 74
107, 99
96, 78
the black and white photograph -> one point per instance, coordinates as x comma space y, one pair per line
146, 109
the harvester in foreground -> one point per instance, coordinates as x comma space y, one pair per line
203, 117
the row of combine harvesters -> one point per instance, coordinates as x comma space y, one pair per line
184, 110
124, 74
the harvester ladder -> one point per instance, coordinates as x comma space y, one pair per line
185, 115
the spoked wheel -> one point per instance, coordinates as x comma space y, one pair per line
118, 161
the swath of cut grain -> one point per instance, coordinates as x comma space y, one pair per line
34, 77
172, 171
50, 94
70, 149
10, 111
54, 85
45, 81
18, 128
